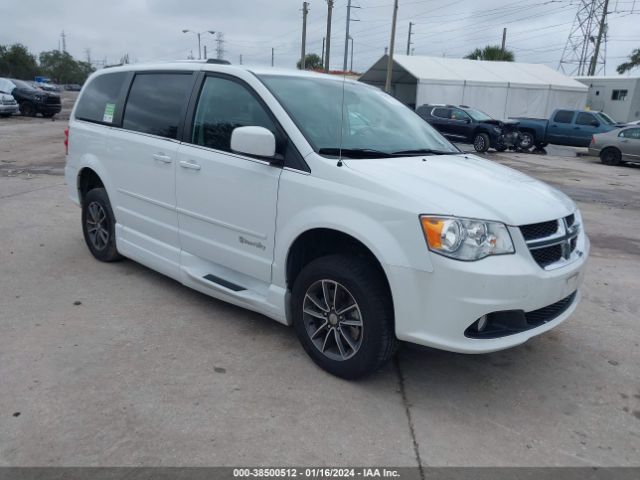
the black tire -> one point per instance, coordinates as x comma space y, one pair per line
101, 241
28, 109
373, 309
611, 156
527, 140
481, 142
542, 145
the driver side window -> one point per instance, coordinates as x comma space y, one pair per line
224, 105
457, 114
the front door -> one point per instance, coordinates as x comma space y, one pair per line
226, 202
586, 126
630, 144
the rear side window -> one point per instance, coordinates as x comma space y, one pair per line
631, 133
224, 105
99, 101
563, 116
441, 112
585, 119
157, 102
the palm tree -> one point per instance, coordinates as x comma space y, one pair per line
492, 53
634, 61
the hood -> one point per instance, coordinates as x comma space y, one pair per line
468, 186
502, 123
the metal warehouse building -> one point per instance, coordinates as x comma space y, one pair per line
618, 97
501, 89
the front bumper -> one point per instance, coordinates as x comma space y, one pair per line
8, 109
48, 107
435, 308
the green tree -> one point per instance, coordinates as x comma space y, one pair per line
492, 53
63, 68
312, 61
634, 61
16, 61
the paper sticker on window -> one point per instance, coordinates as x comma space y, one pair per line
109, 109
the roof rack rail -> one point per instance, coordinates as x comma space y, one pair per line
218, 61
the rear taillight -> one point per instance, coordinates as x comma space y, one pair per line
593, 139
66, 141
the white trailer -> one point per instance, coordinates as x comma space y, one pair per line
618, 97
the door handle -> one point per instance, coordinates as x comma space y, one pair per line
189, 165
161, 157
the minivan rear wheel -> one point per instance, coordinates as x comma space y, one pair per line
99, 225
343, 315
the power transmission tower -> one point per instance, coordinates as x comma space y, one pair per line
63, 39
409, 42
219, 45
305, 12
328, 37
584, 53
87, 51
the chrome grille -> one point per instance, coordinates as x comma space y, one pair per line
552, 243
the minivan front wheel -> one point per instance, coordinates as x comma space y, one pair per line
343, 315
98, 225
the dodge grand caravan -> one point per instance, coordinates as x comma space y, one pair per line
324, 204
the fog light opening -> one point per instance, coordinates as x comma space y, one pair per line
482, 323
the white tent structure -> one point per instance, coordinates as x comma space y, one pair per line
501, 89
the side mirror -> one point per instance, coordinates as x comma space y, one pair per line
595, 123
254, 141
466, 120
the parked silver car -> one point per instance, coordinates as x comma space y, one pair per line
8, 104
616, 146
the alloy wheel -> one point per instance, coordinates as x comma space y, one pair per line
332, 319
97, 225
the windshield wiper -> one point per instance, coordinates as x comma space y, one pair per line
424, 151
355, 153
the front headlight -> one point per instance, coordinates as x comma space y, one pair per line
465, 238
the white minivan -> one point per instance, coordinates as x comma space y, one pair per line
322, 203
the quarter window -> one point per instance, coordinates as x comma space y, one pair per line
585, 119
156, 103
620, 95
563, 116
223, 106
99, 101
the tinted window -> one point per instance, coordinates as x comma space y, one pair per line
631, 133
224, 105
156, 103
98, 102
457, 114
585, 119
563, 116
619, 95
441, 112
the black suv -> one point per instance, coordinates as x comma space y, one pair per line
467, 125
33, 100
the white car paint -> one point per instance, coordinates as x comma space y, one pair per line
188, 211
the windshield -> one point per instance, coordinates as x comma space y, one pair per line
373, 123
606, 119
477, 115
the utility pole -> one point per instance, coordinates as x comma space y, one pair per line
205, 52
504, 38
387, 85
322, 56
351, 67
601, 31
328, 37
409, 39
88, 53
240, 59
303, 54
272, 56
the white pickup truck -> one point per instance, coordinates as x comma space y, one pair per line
324, 204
